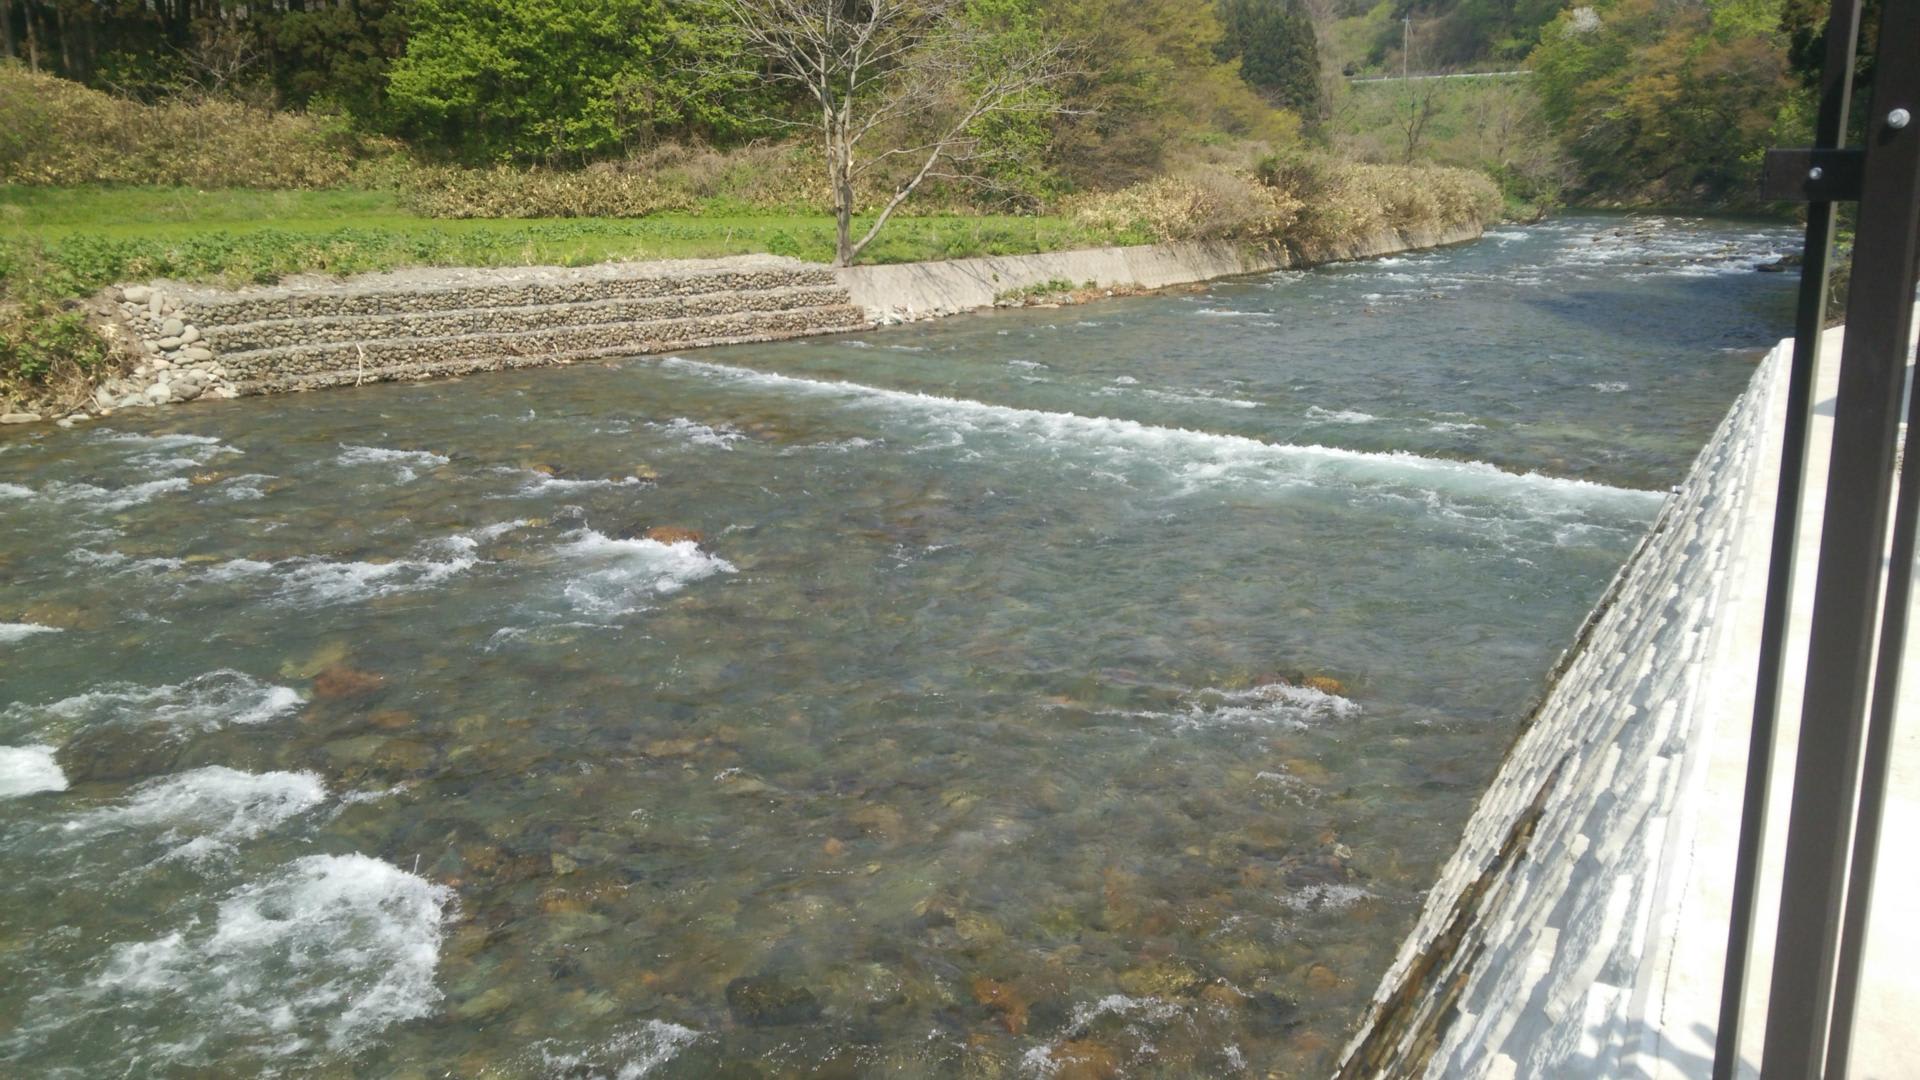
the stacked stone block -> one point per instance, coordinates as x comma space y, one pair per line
427, 323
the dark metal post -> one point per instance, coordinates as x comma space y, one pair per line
1830, 133
1852, 545
1873, 775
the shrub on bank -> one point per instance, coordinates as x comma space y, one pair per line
1214, 203
1305, 201
53, 131
47, 342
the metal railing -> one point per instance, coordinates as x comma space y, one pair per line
1857, 636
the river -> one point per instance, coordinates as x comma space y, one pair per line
1077, 692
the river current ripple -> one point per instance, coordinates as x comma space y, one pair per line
1085, 691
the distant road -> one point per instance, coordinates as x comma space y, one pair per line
1414, 78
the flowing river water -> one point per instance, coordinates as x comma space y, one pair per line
1079, 692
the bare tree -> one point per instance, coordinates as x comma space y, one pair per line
1422, 97
909, 75
1422, 102
221, 56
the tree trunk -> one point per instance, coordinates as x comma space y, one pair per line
843, 231
840, 176
64, 31
6, 30
33, 39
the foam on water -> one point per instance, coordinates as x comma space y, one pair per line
1202, 458
1134, 1014
245, 488
404, 462
838, 446
118, 563
1126, 384
541, 484
1340, 416
1326, 896
621, 576
314, 581
25, 770
1142, 1008
169, 452
1277, 704
205, 811
330, 951
720, 438
92, 497
309, 580
206, 702
15, 491
16, 631
628, 1055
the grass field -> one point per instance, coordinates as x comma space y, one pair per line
79, 239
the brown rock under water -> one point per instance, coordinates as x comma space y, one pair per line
674, 534
1004, 1001
341, 681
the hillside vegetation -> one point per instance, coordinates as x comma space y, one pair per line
242, 142
97, 188
1667, 103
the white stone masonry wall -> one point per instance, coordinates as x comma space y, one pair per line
1527, 960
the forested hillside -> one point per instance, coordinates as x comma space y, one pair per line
1628, 101
572, 82
1652, 102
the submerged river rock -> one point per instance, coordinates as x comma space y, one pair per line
1081, 692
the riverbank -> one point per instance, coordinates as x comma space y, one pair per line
189, 342
1581, 926
934, 289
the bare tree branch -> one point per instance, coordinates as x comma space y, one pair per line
894, 68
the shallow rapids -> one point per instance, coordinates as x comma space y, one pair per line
1075, 691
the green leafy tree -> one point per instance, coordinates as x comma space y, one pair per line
562, 80
337, 54
1149, 87
1656, 102
1279, 55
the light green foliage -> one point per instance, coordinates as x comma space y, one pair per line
1013, 156
1667, 104
1352, 40
560, 80
44, 335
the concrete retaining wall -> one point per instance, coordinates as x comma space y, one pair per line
200, 341
1531, 957
931, 289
